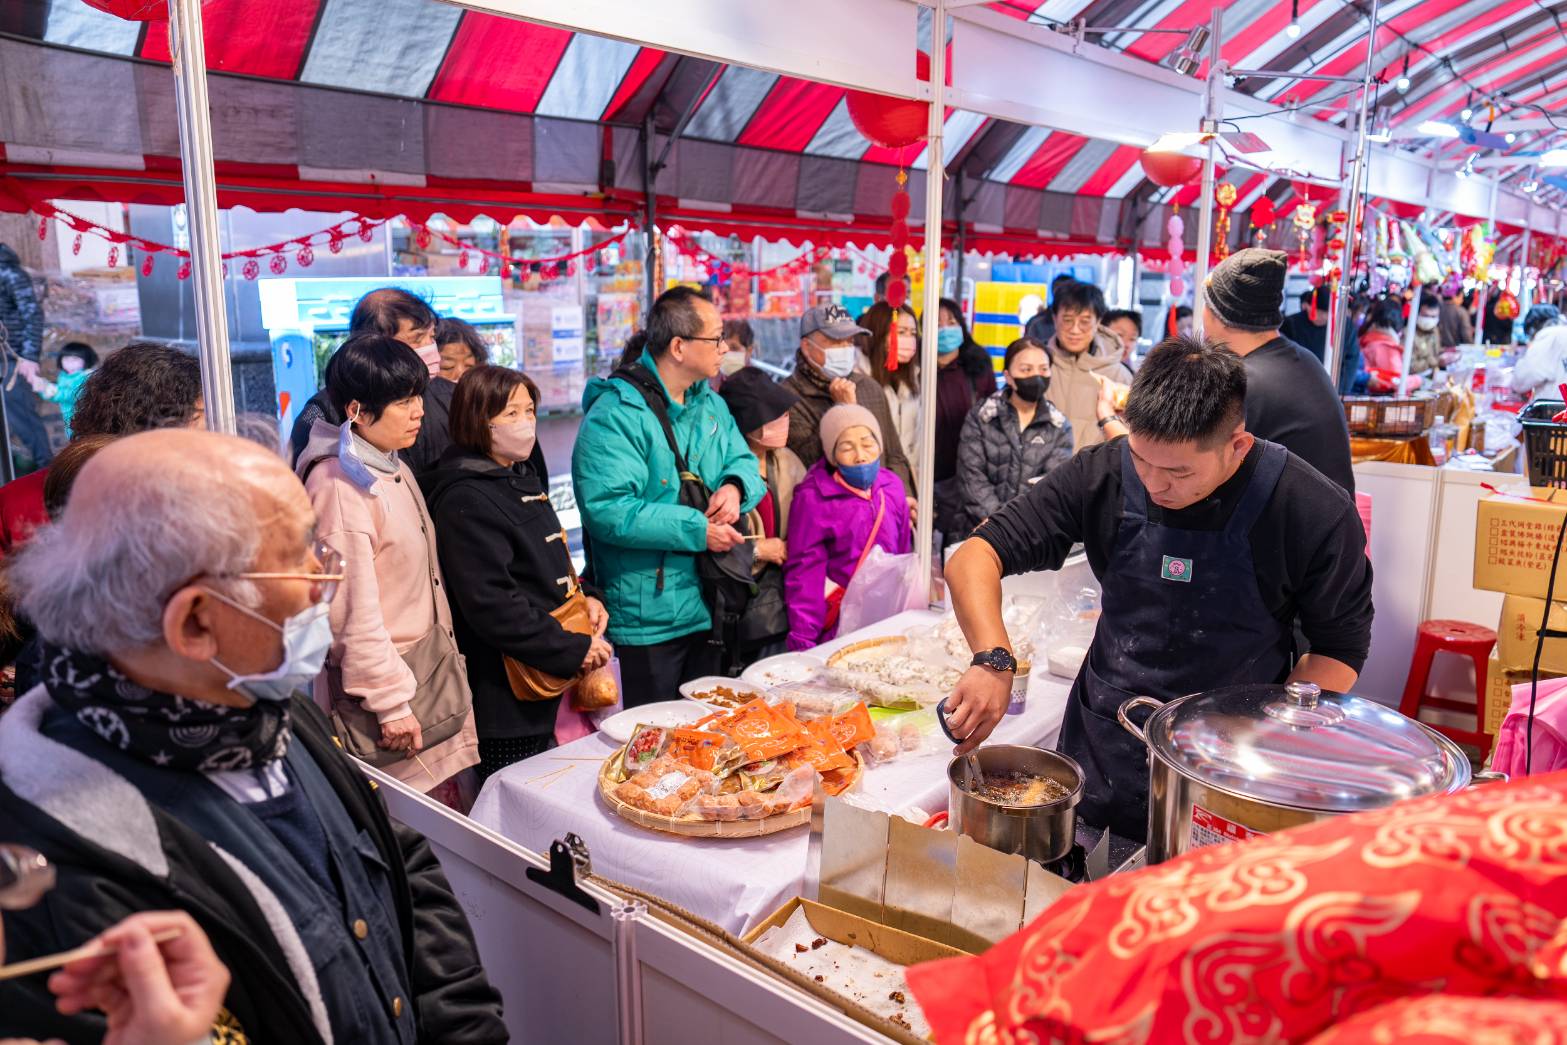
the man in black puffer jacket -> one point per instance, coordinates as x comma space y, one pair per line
22, 327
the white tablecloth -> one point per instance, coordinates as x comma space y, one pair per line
734, 883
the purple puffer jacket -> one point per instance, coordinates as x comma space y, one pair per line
828, 528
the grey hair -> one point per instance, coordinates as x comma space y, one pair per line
97, 581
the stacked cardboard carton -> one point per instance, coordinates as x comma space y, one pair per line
1516, 553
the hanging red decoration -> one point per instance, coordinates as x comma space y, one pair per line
551, 271
335, 242
366, 230
1263, 213
306, 257
184, 270
114, 256
571, 267
252, 269
1224, 195
1170, 169
892, 123
43, 228
462, 260
132, 10
146, 265
76, 243
1507, 305
484, 265
277, 265
422, 236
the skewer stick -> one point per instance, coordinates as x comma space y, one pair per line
54, 961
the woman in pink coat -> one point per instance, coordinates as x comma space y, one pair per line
370, 510
845, 502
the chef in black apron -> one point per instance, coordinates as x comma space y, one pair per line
1208, 545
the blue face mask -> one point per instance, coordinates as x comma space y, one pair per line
948, 340
860, 476
307, 638
356, 470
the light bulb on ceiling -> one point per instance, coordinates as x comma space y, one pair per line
1511, 137
1402, 83
1293, 29
1437, 129
1469, 108
1553, 158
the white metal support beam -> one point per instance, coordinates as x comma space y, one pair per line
925, 467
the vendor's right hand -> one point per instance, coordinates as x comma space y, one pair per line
841, 390
599, 653
721, 537
977, 705
402, 734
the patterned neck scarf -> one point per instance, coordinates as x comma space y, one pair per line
161, 728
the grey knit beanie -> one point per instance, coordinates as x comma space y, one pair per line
1245, 291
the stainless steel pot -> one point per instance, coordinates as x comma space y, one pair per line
1043, 832
1247, 760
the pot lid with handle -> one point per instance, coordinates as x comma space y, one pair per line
1302, 746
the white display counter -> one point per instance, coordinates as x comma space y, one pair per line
732, 882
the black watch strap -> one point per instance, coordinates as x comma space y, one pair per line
997, 659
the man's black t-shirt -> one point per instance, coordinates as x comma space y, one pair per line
1308, 546
1299, 328
1290, 401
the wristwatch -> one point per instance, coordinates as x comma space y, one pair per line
997, 659
1106, 420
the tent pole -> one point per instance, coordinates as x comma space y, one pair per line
1212, 111
650, 220
1340, 296
1525, 291
961, 240
1482, 300
935, 171
201, 206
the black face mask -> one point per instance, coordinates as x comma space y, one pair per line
1030, 389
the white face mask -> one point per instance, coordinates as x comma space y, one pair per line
839, 361
732, 363
514, 441
1427, 322
307, 638
430, 352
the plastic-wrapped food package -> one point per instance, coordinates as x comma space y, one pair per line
818, 698
910, 733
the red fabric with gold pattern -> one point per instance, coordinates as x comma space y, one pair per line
1286, 936
1442, 1019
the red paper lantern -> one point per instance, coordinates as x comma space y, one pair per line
1507, 305
132, 10
305, 256
277, 264
334, 242
897, 294
251, 269
897, 266
146, 265
184, 270
891, 123
1263, 213
1170, 168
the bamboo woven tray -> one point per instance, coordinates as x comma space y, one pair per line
884, 642
707, 828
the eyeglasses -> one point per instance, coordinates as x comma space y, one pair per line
330, 576
1080, 322
716, 339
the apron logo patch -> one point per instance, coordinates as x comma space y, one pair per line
1176, 569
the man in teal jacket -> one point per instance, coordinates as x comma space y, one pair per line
643, 542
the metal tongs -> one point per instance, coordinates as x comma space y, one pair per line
973, 777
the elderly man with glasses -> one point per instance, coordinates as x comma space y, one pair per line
1085, 356
168, 761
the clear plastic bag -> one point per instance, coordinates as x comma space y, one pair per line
899, 736
816, 699
883, 586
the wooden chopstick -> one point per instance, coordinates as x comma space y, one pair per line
54, 961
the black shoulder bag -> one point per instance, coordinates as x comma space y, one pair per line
725, 577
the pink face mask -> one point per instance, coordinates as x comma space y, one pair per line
775, 433
430, 352
907, 345
514, 441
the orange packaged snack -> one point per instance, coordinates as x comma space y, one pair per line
695, 747
824, 752
836, 781
761, 732
853, 727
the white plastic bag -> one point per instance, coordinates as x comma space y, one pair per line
884, 585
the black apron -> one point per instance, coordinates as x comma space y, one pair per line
1181, 614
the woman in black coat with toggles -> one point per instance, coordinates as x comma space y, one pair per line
504, 556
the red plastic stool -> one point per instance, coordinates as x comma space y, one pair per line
1466, 640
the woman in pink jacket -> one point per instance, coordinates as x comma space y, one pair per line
845, 503
370, 510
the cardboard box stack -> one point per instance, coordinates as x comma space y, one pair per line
1515, 550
